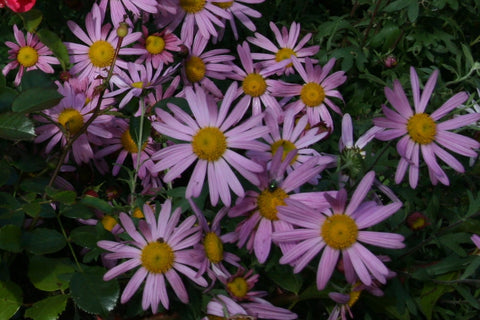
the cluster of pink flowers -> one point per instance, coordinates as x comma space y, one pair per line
253, 146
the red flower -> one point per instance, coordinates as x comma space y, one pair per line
18, 5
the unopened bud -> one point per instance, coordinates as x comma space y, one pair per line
122, 30
390, 61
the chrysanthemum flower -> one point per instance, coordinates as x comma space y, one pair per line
241, 12
209, 139
203, 15
68, 117
316, 93
28, 54
99, 49
423, 133
337, 229
256, 87
200, 66
161, 250
288, 45
159, 47
119, 8
261, 208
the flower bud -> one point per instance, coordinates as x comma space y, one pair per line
417, 221
122, 30
390, 61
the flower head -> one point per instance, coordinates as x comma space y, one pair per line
159, 47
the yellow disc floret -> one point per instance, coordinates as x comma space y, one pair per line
27, 56
254, 85
71, 120
312, 94
109, 222
223, 5
101, 53
209, 143
128, 143
157, 257
154, 44
137, 213
285, 53
287, 147
268, 200
195, 69
213, 247
421, 128
192, 6
339, 231
238, 287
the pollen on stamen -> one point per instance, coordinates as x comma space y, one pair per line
339, 231
312, 94
209, 143
254, 85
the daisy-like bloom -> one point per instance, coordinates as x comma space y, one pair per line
159, 47
256, 87
161, 249
208, 138
476, 240
238, 10
422, 133
288, 45
98, 52
337, 229
68, 118
261, 207
213, 254
119, 8
316, 93
222, 307
203, 15
200, 66
28, 54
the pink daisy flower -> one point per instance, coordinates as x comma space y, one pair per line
203, 15
200, 66
422, 133
159, 47
161, 250
209, 139
288, 45
316, 92
261, 208
119, 8
99, 49
238, 10
336, 228
28, 54
476, 240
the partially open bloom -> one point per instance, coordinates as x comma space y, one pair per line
422, 133
28, 54
287, 45
161, 249
336, 228
208, 138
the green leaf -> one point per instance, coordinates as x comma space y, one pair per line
51, 40
47, 309
77, 211
397, 5
16, 126
32, 208
97, 203
467, 295
92, 294
84, 236
7, 95
43, 241
10, 299
44, 273
3, 80
286, 279
32, 19
36, 79
139, 138
36, 99
412, 11
10, 238
431, 292
63, 196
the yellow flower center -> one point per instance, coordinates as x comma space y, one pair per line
157, 257
339, 231
195, 69
213, 247
109, 222
27, 56
354, 296
312, 94
421, 128
137, 213
101, 53
128, 143
287, 147
238, 287
209, 143
138, 84
268, 200
71, 120
192, 6
223, 5
254, 85
285, 53
154, 44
